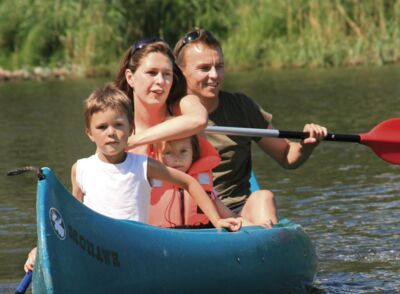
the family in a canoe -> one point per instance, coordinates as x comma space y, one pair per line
154, 164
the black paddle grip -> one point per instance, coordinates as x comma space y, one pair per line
329, 137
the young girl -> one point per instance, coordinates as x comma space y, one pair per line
171, 206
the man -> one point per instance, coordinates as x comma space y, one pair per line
200, 57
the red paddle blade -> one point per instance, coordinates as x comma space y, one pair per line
384, 140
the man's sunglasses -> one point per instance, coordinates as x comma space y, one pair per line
192, 36
139, 44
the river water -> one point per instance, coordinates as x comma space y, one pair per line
346, 198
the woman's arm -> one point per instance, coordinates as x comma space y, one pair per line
76, 191
157, 170
190, 118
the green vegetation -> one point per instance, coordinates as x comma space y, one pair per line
89, 36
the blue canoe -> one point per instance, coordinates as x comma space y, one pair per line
81, 251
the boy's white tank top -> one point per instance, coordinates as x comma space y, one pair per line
120, 191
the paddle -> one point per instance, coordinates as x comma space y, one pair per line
24, 284
383, 139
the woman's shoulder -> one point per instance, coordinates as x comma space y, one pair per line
188, 98
189, 104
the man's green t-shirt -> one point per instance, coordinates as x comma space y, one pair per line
231, 177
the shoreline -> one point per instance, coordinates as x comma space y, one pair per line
77, 72
38, 73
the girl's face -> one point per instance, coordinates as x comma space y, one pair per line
109, 130
152, 80
177, 154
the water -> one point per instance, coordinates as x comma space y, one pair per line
345, 197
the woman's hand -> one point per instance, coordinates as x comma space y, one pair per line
30, 262
232, 224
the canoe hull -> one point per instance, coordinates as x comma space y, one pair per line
80, 251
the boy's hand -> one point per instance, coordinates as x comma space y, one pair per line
231, 224
30, 262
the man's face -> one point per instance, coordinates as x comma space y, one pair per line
203, 68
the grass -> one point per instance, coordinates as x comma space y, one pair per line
261, 33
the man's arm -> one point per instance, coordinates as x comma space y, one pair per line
291, 154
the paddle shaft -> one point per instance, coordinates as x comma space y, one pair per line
274, 133
24, 284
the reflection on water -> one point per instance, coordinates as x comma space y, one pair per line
346, 198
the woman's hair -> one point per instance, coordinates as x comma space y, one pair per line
195, 36
133, 58
104, 98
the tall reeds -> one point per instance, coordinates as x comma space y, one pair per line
90, 36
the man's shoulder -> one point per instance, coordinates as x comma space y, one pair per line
238, 96
238, 99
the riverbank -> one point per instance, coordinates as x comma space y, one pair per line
61, 73
79, 72
264, 33
38, 73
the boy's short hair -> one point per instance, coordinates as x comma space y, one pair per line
106, 97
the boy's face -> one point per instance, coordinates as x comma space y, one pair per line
177, 154
110, 130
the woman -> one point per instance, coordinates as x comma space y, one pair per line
149, 76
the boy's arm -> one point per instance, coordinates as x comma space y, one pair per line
157, 170
76, 191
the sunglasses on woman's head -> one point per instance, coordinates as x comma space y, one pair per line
139, 44
192, 36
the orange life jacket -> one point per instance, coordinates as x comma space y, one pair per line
171, 206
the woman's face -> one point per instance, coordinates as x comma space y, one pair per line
203, 68
152, 80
